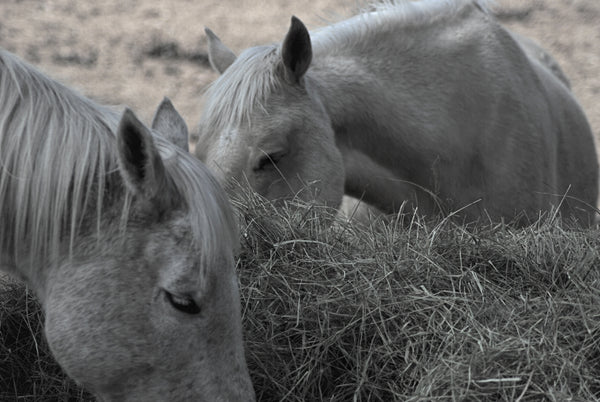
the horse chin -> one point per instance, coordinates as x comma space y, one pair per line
230, 390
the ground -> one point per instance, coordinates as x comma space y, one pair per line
136, 52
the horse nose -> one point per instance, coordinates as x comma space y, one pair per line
237, 387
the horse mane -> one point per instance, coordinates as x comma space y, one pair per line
393, 14
424, 11
55, 145
57, 164
231, 99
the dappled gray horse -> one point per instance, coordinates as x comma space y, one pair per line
429, 104
126, 240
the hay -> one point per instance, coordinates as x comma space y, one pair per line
397, 310
27, 370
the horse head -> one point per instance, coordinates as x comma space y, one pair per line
264, 125
140, 294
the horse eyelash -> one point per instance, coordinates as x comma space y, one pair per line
185, 304
269, 159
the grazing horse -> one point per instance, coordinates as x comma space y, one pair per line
127, 241
430, 104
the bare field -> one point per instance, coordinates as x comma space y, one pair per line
135, 52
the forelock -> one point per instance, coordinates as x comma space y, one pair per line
242, 89
212, 220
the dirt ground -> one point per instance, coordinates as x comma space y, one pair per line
134, 52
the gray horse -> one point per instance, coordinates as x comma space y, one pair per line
127, 241
431, 105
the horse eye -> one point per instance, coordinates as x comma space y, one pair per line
269, 160
185, 304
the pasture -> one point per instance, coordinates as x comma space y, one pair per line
428, 311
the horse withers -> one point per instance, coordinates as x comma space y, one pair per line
127, 241
429, 105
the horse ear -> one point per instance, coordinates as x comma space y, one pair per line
219, 55
296, 50
169, 123
140, 163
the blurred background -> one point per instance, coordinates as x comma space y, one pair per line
134, 52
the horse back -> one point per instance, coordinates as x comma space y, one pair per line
566, 154
576, 157
458, 105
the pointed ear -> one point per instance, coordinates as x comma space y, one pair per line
140, 164
168, 123
219, 55
296, 51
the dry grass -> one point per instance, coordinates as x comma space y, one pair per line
27, 370
393, 311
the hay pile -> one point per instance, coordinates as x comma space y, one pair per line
393, 311
27, 370
428, 311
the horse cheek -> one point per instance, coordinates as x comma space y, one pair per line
92, 337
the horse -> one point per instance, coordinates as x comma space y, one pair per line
127, 240
430, 106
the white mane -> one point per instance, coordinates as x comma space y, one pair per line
59, 171
55, 152
248, 82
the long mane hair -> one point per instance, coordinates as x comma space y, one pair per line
57, 168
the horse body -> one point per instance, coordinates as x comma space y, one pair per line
126, 240
430, 104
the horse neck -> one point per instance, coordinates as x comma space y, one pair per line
57, 153
95, 232
373, 72
354, 82
35, 276
364, 113
35, 260
372, 89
